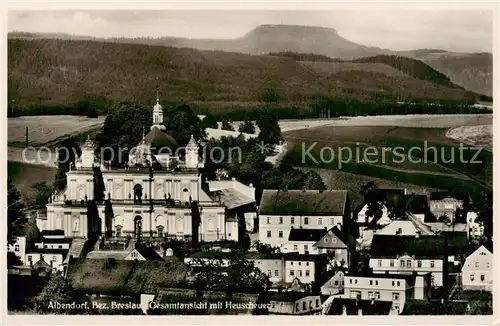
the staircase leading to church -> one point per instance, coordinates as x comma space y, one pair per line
76, 249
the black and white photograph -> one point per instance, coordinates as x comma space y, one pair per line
282, 162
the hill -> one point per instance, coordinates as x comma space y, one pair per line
61, 72
472, 71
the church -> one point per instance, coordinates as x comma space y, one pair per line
167, 202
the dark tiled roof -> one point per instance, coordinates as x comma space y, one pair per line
158, 138
291, 296
48, 251
148, 252
124, 276
352, 307
294, 256
306, 202
397, 245
346, 237
306, 234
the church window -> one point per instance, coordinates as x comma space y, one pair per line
118, 230
160, 231
137, 193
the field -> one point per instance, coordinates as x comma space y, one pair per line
481, 136
329, 68
366, 146
48, 130
24, 176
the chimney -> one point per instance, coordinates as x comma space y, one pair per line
282, 269
405, 191
339, 226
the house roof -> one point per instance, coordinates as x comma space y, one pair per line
124, 276
294, 256
41, 264
346, 237
289, 296
156, 137
432, 246
232, 198
445, 227
306, 202
105, 254
306, 234
54, 240
47, 251
147, 252
352, 306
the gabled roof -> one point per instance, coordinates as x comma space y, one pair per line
305, 202
352, 306
148, 252
232, 198
342, 234
306, 234
105, 254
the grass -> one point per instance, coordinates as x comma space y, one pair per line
24, 176
48, 130
435, 172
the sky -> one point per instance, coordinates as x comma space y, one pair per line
460, 31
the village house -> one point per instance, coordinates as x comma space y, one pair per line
386, 287
338, 244
134, 251
474, 227
18, 247
303, 268
49, 253
280, 211
294, 303
422, 255
334, 285
302, 241
392, 200
350, 307
445, 203
477, 271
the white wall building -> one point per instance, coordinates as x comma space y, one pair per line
281, 211
18, 247
477, 271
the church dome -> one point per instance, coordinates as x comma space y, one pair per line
158, 107
158, 139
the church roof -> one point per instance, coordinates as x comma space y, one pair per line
159, 138
89, 144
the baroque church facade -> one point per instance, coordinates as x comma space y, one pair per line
167, 202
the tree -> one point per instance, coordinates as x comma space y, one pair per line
444, 218
484, 208
122, 131
373, 199
13, 260
314, 181
227, 125
283, 177
181, 122
59, 291
270, 132
92, 113
43, 192
210, 121
15, 217
247, 127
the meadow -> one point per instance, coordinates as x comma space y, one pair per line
24, 176
47, 130
434, 171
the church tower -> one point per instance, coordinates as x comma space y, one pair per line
192, 154
157, 113
87, 158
